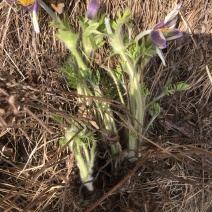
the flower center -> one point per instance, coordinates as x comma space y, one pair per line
26, 2
164, 29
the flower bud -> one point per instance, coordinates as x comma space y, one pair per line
93, 8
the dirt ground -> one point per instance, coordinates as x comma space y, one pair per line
37, 174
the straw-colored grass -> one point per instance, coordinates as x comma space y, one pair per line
37, 174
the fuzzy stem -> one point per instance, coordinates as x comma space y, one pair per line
107, 117
79, 59
136, 103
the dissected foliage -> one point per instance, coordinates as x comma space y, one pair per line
38, 174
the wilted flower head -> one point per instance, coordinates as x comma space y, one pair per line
165, 31
93, 8
32, 6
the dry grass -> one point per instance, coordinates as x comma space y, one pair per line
36, 174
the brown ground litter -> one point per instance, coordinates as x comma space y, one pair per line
37, 174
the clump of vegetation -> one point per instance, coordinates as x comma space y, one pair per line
110, 105
132, 56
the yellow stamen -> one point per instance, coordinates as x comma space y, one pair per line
26, 2
164, 29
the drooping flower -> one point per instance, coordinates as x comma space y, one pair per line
165, 31
32, 7
93, 8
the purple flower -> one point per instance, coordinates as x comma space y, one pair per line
165, 31
31, 6
93, 8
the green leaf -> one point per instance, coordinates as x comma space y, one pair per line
145, 90
181, 86
123, 18
59, 119
155, 109
91, 29
167, 88
62, 141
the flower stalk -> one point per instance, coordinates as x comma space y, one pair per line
135, 90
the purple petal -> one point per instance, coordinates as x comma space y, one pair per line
93, 8
160, 54
28, 8
172, 15
31, 7
35, 6
171, 23
159, 25
170, 20
158, 39
173, 34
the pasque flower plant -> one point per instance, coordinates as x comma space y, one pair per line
132, 56
130, 52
